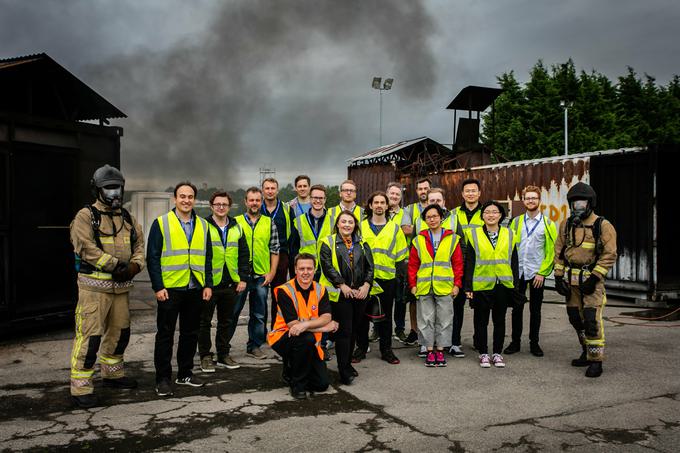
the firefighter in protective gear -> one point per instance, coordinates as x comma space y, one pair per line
585, 250
109, 248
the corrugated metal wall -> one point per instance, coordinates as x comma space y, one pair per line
371, 178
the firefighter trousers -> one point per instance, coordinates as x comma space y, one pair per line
585, 315
102, 325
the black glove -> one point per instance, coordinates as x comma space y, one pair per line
561, 287
588, 286
120, 273
133, 269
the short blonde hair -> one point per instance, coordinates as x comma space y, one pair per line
534, 189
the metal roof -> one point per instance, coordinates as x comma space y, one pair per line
474, 98
385, 150
38, 85
540, 160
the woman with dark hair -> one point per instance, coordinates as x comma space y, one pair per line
491, 274
347, 273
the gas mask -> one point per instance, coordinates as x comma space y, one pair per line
112, 195
580, 210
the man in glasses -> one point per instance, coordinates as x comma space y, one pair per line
536, 250
348, 197
230, 272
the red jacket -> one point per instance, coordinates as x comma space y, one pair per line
456, 260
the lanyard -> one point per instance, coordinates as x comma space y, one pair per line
252, 225
276, 211
526, 228
434, 248
315, 231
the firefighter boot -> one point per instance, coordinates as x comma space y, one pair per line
582, 360
594, 370
85, 401
121, 383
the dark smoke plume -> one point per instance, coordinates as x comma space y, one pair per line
204, 108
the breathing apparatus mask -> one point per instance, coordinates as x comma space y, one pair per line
580, 210
108, 186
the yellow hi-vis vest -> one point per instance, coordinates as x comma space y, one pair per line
492, 264
179, 259
333, 292
308, 242
286, 214
475, 222
398, 216
225, 254
435, 274
258, 242
388, 247
333, 213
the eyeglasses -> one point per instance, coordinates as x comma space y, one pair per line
348, 190
433, 217
531, 198
220, 205
492, 212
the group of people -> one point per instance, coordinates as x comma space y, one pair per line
330, 272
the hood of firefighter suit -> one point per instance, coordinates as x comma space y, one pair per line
108, 185
582, 200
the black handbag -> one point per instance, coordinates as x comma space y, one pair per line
374, 309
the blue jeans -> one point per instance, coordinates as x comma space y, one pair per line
257, 324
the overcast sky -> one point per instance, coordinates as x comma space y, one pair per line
214, 90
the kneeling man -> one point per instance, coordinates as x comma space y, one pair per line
304, 313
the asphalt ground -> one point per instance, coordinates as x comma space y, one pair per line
534, 404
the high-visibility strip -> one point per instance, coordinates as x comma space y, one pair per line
441, 263
559, 266
426, 265
232, 244
492, 279
107, 240
438, 278
101, 262
82, 374
178, 252
109, 360
100, 275
166, 231
486, 262
79, 336
600, 269
384, 268
214, 244
181, 267
587, 245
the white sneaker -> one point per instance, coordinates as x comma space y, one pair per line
423, 352
485, 361
456, 351
497, 360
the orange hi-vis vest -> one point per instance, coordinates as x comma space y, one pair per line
305, 310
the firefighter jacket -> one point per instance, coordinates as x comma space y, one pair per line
581, 250
115, 238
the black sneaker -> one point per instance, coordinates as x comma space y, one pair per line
85, 401
298, 394
358, 355
164, 388
411, 339
535, 350
191, 381
512, 348
120, 383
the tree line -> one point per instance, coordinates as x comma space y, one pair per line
529, 120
